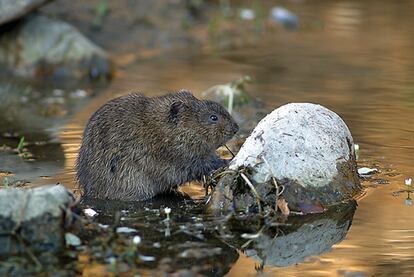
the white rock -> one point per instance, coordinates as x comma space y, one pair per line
302, 142
90, 212
72, 239
125, 230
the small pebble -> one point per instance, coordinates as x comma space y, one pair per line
103, 226
89, 212
147, 258
72, 240
125, 230
366, 171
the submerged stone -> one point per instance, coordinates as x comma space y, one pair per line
34, 219
47, 48
307, 149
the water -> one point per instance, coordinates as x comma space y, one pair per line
354, 57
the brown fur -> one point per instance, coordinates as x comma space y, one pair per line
135, 147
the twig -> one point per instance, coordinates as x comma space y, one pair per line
205, 185
246, 244
278, 192
227, 91
222, 173
256, 194
208, 199
230, 93
229, 150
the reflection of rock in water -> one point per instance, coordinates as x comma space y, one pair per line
298, 238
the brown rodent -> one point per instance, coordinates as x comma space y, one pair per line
135, 147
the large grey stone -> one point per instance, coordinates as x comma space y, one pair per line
308, 149
42, 47
34, 216
300, 141
14, 9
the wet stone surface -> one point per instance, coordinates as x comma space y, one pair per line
34, 219
302, 153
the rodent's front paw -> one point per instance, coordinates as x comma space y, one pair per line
217, 163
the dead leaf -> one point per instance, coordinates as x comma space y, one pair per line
283, 206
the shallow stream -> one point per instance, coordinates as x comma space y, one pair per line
354, 57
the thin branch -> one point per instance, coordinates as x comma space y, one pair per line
253, 189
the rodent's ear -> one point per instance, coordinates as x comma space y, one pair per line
176, 108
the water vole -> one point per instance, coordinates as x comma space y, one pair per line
135, 147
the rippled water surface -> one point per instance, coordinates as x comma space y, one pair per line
354, 57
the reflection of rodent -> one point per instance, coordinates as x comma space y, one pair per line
135, 147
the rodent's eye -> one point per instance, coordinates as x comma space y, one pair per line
213, 118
